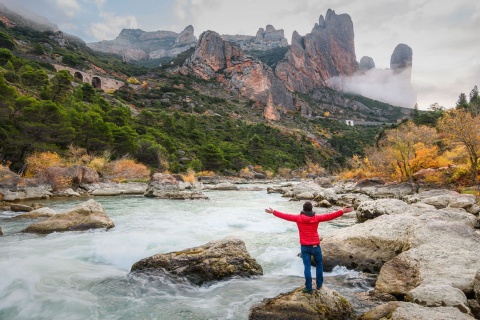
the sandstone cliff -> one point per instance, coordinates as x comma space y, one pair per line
136, 44
265, 39
326, 52
225, 62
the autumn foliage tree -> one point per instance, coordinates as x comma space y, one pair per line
400, 153
460, 126
409, 147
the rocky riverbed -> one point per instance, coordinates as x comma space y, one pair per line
421, 243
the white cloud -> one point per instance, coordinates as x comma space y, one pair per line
69, 7
111, 25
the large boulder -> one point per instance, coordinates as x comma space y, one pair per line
367, 246
320, 304
64, 177
441, 252
87, 215
438, 296
167, 186
213, 261
419, 247
397, 310
372, 209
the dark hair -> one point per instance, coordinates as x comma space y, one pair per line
307, 206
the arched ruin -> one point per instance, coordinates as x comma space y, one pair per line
97, 83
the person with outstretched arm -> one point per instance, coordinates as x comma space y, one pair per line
307, 223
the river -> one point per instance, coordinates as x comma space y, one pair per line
85, 275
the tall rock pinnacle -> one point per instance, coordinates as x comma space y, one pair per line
326, 52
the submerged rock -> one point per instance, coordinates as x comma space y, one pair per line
320, 304
87, 215
36, 214
214, 261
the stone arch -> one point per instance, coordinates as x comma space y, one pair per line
78, 75
97, 83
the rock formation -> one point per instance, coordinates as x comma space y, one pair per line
136, 44
265, 39
401, 58
326, 52
87, 215
166, 186
321, 304
366, 63
213, 261
216, 59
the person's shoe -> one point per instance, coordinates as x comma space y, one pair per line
305, 290
319, 287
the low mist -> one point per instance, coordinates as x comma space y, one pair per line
384, 85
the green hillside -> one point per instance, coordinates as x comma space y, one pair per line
171, 122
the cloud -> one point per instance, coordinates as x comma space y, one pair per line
379, 84
69, 7
111, 25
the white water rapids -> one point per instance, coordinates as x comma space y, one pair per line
85, 275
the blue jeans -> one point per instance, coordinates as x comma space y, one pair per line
307, 253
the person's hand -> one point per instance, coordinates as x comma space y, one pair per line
269, 210
347, 209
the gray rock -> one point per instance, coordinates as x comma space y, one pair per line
27, 193
401, 58
213, 261
87, 215
320, 304
324, 204
476, 285
438, 296
367, 246
372, 209
397, 310
166, 186
36, 214
17, 207
366, 63
304, 196
225, 186
106, 192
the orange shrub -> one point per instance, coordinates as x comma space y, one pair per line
189, 176
246, 173
125, 169
205, 174
38, 162
284, 172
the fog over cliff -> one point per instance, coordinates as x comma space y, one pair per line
385, 85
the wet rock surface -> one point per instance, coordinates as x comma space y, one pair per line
214, 261
320, 304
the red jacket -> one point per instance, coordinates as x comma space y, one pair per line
307, 226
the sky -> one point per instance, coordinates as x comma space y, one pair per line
444, 35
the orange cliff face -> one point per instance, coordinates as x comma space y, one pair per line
223, 61
328, 51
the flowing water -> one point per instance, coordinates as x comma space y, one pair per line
85, 275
